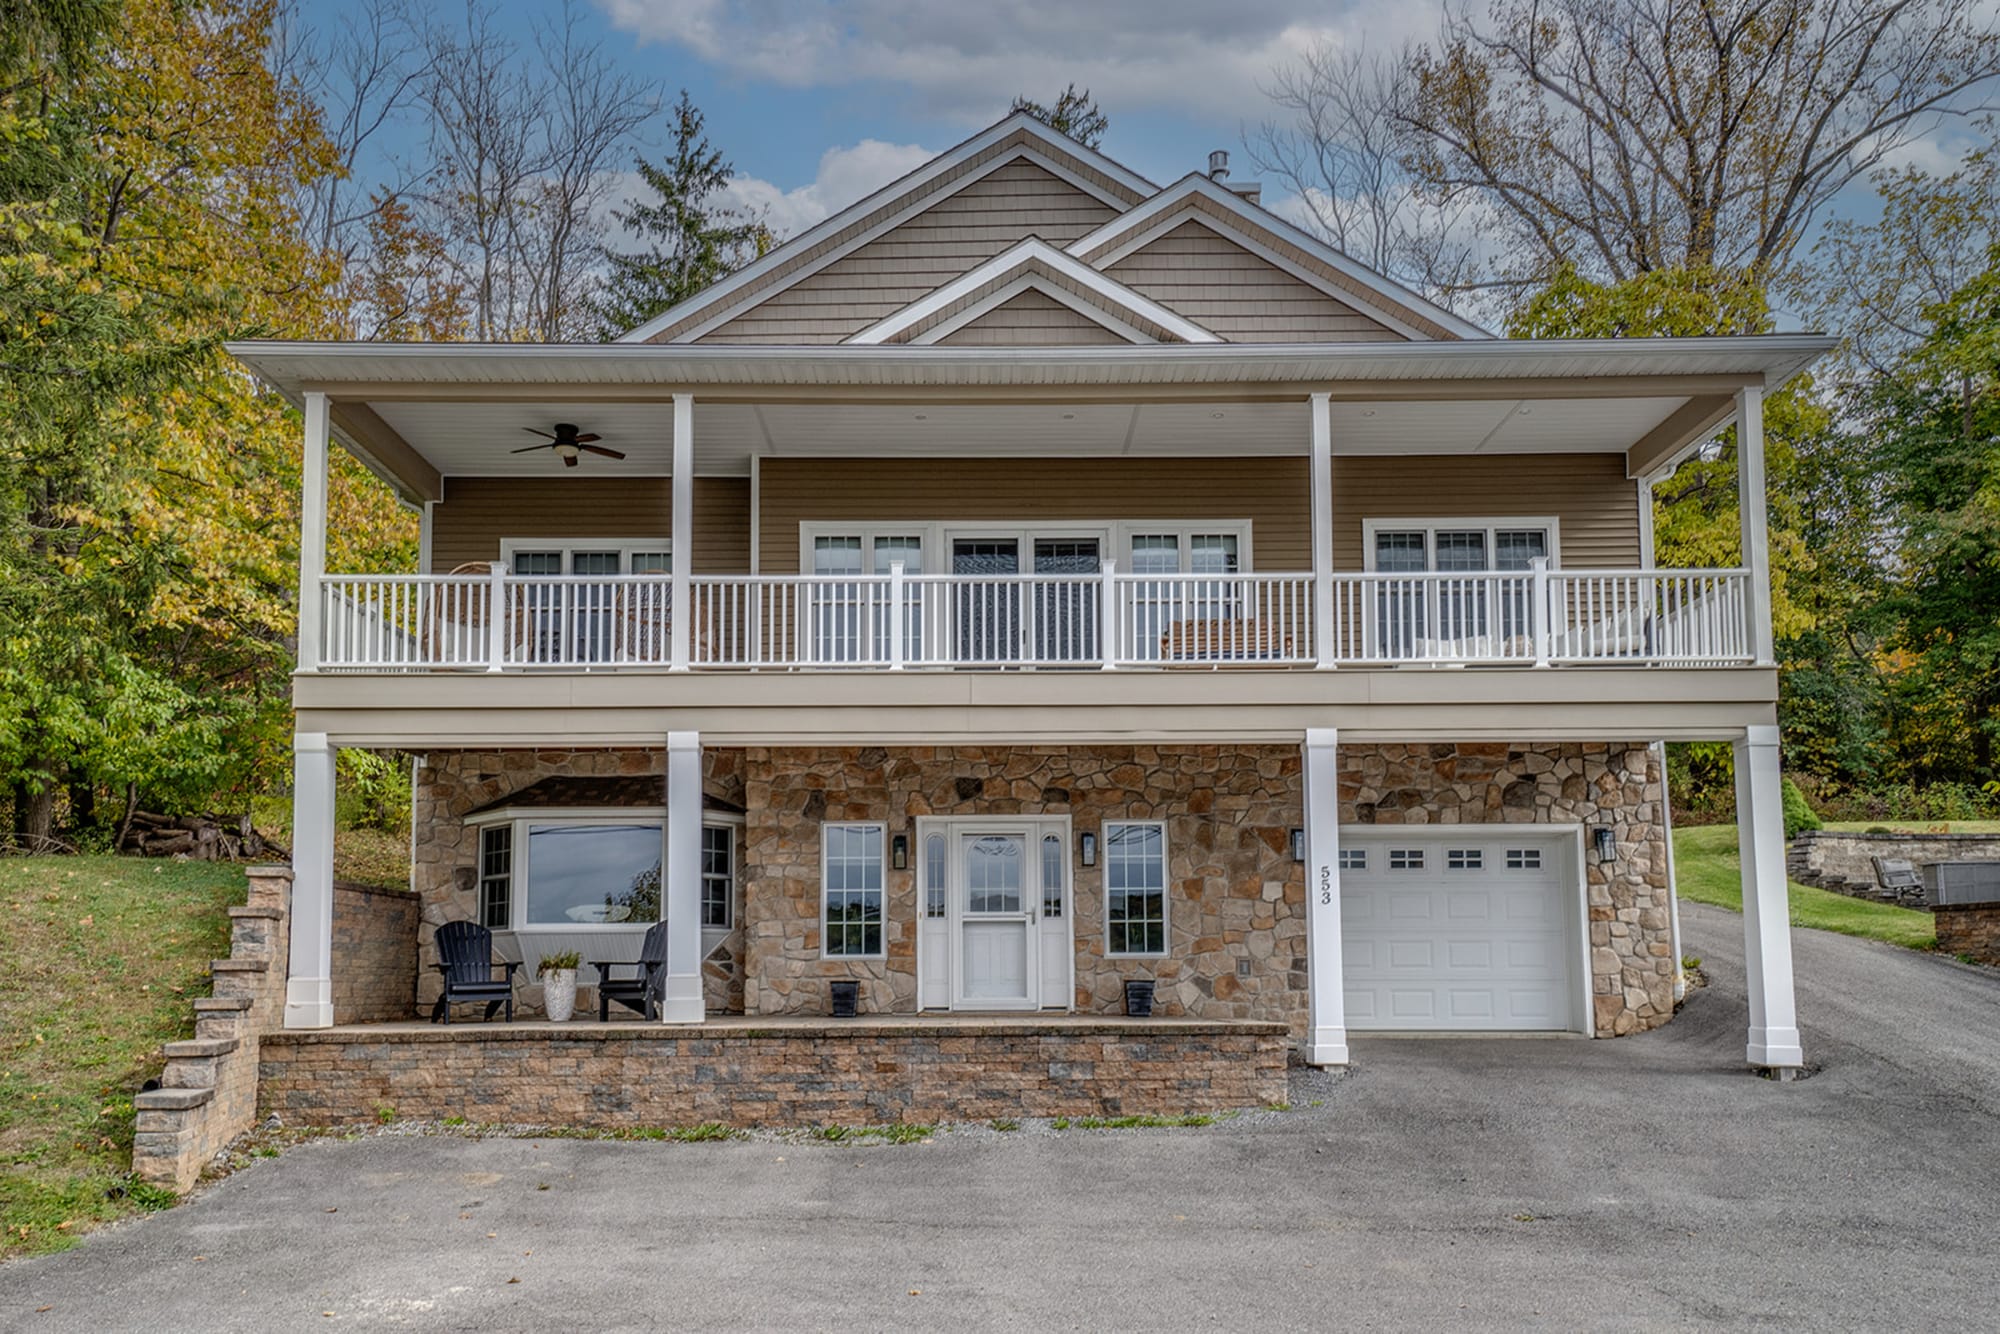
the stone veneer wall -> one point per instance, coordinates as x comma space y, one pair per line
1236, 893
1838, 859
208, 1090
445, 867
779, 1077
375, 953
1971, 930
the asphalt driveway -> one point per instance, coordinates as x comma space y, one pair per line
1642, 1183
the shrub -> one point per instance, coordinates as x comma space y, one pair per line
1799, 815
372, 791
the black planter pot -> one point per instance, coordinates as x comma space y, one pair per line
1139, 1000
846, 997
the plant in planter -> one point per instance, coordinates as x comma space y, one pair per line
558, 975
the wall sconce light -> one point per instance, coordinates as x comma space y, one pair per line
1605, 841
1089, 846
899, 852
1298, 845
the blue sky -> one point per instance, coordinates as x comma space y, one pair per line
818, 102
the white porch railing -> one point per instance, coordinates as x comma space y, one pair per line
898, 621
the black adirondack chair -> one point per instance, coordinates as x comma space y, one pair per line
643, 993
465, 957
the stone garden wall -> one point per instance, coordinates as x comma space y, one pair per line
374, 953
445, 875
1839, 860
1236, 893
1970, 930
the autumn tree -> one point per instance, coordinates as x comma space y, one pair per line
1074, 112
689, 238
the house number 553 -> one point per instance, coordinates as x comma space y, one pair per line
1326, 885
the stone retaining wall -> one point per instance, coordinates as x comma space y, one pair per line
374, 953
1970, 930
1838, 860
208, 1093
626, 1077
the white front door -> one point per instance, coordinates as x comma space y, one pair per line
993, 930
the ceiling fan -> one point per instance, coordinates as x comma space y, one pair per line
567, 444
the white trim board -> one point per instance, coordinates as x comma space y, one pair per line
1034, 250
912, 187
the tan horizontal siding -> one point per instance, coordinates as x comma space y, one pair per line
1238, 296
944, 241
1270, 492
479, 512
1032, 319
1595, 505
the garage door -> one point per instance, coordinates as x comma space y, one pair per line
1471, 931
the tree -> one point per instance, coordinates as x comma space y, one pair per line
1623, 137
692, 238
1074, 113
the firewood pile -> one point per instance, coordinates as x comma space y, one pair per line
202, 838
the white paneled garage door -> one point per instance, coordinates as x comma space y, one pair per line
1459, 931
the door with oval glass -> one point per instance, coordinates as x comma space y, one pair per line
994, 934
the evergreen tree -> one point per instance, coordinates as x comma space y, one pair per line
692, 239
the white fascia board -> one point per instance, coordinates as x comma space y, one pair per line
1018, 256
912, 184
1177, 195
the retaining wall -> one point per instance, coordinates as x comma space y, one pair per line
1838, 860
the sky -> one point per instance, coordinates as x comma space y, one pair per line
819, 102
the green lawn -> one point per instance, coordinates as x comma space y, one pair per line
1705, 865
104, 955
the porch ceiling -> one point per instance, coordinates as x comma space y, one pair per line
477, 439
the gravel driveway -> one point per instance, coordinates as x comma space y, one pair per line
1647, 1182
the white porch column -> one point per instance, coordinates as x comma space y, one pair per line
1322, 529
1767, 928
680, 625
312, 531
1755, 518
309, 974
683, 1002
1326, 1037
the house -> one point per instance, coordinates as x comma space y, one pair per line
1033, 580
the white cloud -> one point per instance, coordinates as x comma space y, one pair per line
966, 62
844, 176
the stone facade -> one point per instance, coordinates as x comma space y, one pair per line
375, 949
445, 865
1235, 892
1971, 930
843, 1073
208, 1090
1839, 860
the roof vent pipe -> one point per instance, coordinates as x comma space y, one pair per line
1218, 164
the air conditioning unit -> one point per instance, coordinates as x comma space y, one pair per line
1957, 884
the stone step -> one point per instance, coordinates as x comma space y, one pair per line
271, 914
240, 966
171, 1100
206, 1004
200, 1047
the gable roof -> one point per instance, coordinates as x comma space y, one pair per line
1034, 263
1018, 137
1195, 197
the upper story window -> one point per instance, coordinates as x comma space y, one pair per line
610, 556
1457, 546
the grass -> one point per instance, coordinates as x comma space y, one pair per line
365, 856
104, 955
1707, 869
898, 1132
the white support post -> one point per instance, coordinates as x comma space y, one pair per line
312, 531
1322, 530
1644, 486
1108, 636
1767, 929
496, 616
898, 619
309, 975
1543, 613
426, 535
1326, 1037
1754, 518
683, 1001
681, 616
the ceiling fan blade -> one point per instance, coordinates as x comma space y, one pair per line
569, 460
529, 449
600, 449
586, 439
536, 431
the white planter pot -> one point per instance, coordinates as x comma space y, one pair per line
559, 995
